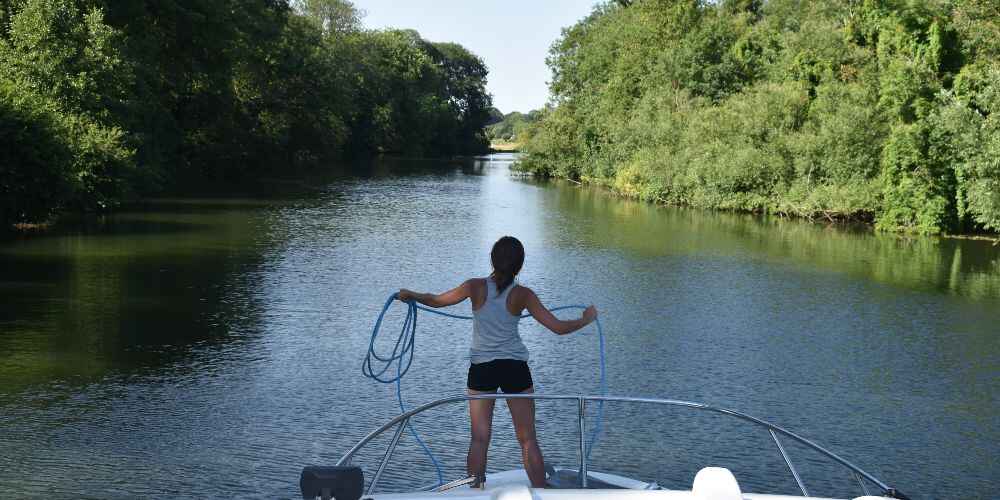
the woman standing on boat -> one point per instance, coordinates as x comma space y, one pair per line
499, 359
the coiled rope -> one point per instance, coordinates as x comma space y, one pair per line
402, 357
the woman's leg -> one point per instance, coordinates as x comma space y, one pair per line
522, 411
481, 417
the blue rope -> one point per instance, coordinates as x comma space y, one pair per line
402, 358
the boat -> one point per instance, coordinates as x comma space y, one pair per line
345, 481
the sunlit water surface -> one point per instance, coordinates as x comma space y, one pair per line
212, 347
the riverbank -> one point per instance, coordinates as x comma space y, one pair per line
891, 116
253, 183
264, 88
506, 147
866, 220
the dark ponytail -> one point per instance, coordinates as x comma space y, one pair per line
507, 257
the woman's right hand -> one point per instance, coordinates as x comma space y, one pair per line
590, 314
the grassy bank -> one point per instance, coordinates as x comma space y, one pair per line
506, 147
859, 222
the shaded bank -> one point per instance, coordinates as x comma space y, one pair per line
103, 102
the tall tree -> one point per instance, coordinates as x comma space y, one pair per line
755, 106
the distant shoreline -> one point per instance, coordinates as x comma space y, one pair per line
505, 147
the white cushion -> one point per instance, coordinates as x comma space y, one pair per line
716, 483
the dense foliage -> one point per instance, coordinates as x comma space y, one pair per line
884, 110
101, 100
513, 126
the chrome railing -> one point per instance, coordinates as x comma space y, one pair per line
403, 419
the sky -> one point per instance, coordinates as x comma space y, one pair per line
511, 36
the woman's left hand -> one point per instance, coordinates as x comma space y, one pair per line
406, 295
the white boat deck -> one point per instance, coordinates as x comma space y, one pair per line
710, 484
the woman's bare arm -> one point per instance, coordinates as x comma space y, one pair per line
548, 320
449, 298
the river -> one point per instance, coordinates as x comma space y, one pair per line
211, 346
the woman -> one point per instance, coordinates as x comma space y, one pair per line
499, 360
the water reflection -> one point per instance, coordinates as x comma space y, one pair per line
138, 292
970, 268
220, 337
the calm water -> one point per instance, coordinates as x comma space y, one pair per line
212, 347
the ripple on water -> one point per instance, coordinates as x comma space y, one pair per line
210, 350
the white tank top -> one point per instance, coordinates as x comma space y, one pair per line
494, 329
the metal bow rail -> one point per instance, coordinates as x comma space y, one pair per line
403, 419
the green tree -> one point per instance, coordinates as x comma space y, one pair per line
878, 110
335, 17
967, 133
73, 59
71, 55
514, 126
36, 160
129, 98
464, 86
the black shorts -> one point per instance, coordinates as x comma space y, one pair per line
509, 375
